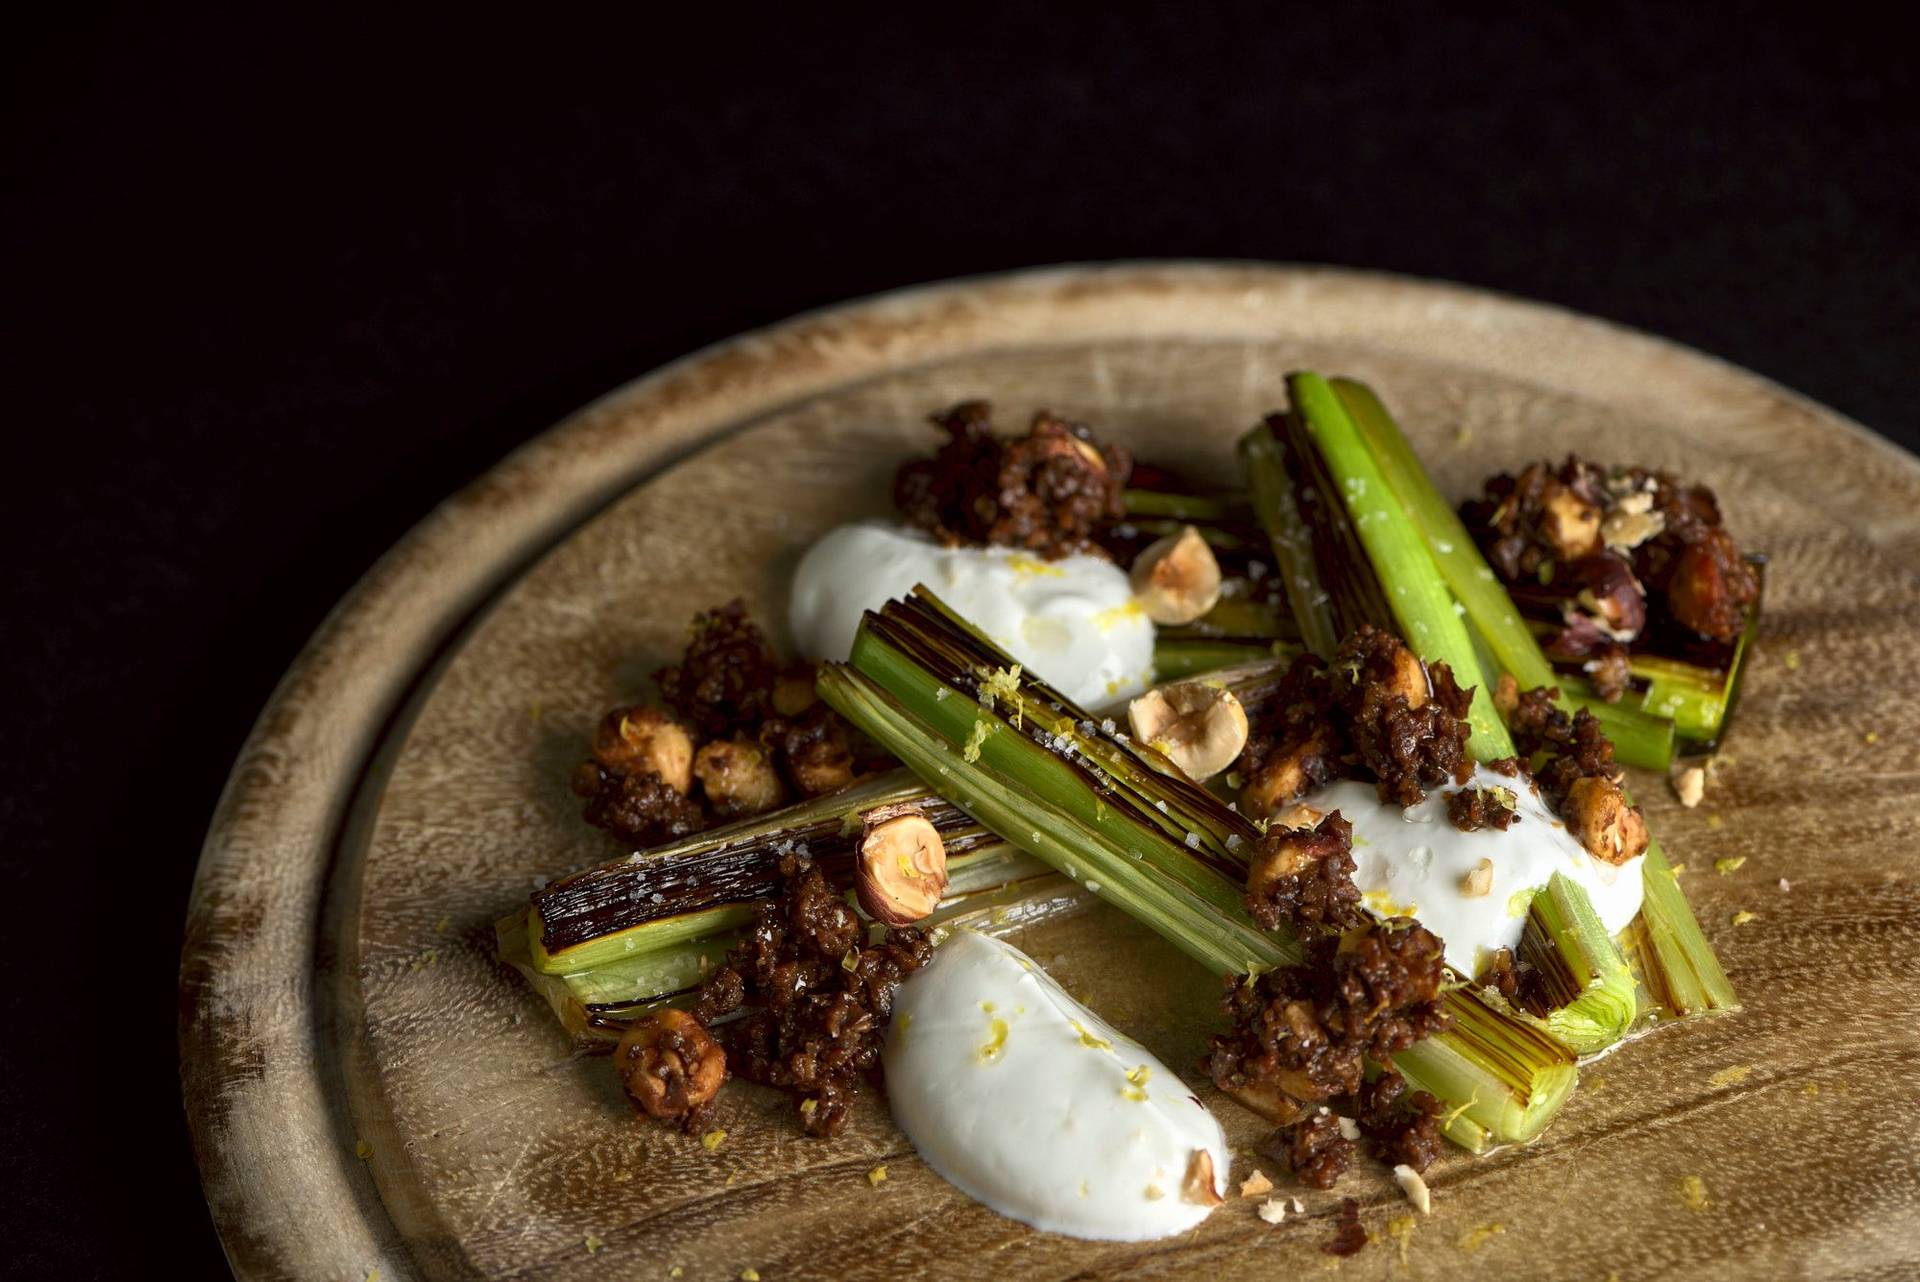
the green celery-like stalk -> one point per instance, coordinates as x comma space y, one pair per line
1177, 658
1417, 595
1590, 994
1504, 1079
1639, 738
1272, 489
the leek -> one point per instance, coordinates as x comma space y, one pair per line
1590, 994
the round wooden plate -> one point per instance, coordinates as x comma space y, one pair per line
369, 1090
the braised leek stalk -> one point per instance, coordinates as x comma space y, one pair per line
1589, 996
1106, 813
1177, 658
1676, 965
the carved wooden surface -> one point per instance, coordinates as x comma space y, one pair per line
368, 1089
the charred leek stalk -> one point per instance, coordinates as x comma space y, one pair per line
1033, 768
1679, 974
1371, 552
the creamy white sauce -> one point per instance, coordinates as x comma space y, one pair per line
1072, 622
1029, 1102
1411, 863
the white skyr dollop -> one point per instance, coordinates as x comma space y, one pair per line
1072, 622
1415, 863
1029, 1102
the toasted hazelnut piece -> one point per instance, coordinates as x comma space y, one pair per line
738, 776
900, 867
1200, 727
1603, 589
1268, 1100
1506, 694
670, 1065
1690, 786
1478, 880
1409, 678
1298, 815
1285, 775
1091, 453
1256, 1185
1599, 817
1198, 1186
1176, 578
793, 691
1569, 522
641, 740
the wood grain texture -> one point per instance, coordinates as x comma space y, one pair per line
407, 784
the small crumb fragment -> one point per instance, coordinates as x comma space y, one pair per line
1298, 1207
749, 1275
1349, 1129
1273, 1210
1256, 1185
1785, 884
713, 1139
1677, 869
1731, 864
1414, 1187
442, 926
1462, 437
877, 1176
676, 1271
1693, 1192
1154, 1193
1475, 1238
1873, 736
1477, 882
1715, 821
1742, 917
1731, 1076
623, 1177
593, 1244
1810, 1090
362, 1150
1690, 785
373, 1274
1792, 660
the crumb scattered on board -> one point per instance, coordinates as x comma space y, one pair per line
1690, 785
1415, 1188
1693, 1193
1256, 1185
1730, 864
1731, 1076
877, 1176
1742, 917
1475, 1238
1273, 1210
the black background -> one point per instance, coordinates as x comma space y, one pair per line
273, 285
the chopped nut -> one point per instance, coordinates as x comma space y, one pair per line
671, 1066
1414, 1187
1631, 523
1598, 815
1256, 1185
900, 867
1478, 881
1349, 1129
1200, 727
642, 740
1177, 578
1569, 522
1690, 785
738, 776
1198, 1187
1273, 1211
1300, 815
1286, 774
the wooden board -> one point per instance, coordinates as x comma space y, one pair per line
368, 1089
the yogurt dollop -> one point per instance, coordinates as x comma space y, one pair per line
1027, 1101
1072, 622
1411, 863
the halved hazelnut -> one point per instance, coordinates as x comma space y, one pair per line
738, 776
1478, 880
669, 1064
642, 740
1198, 1186
1569, 522
1286, 774
1200, 727
1177, 578
900, 867
1599, 817
793, 690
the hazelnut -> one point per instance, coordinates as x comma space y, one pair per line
1177, 578
1603, 588
793, 690
642, 740
1198, 1186
738, 776
1286, 774
1569, 523
1201, 728
1478, 881
1408, 677
1267, 1100
1599, 817
900, 866
670, 1065
1298, 815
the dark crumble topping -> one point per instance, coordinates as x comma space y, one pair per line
817, 997
1375, 712
743, 735
1304, 875
1472, 809
1349, 1235
1517, 981
1402, 1126
1309, 1029
1618, 554
1312, 1149
1050, 492
1575, 771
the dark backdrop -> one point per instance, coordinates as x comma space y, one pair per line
272, 286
